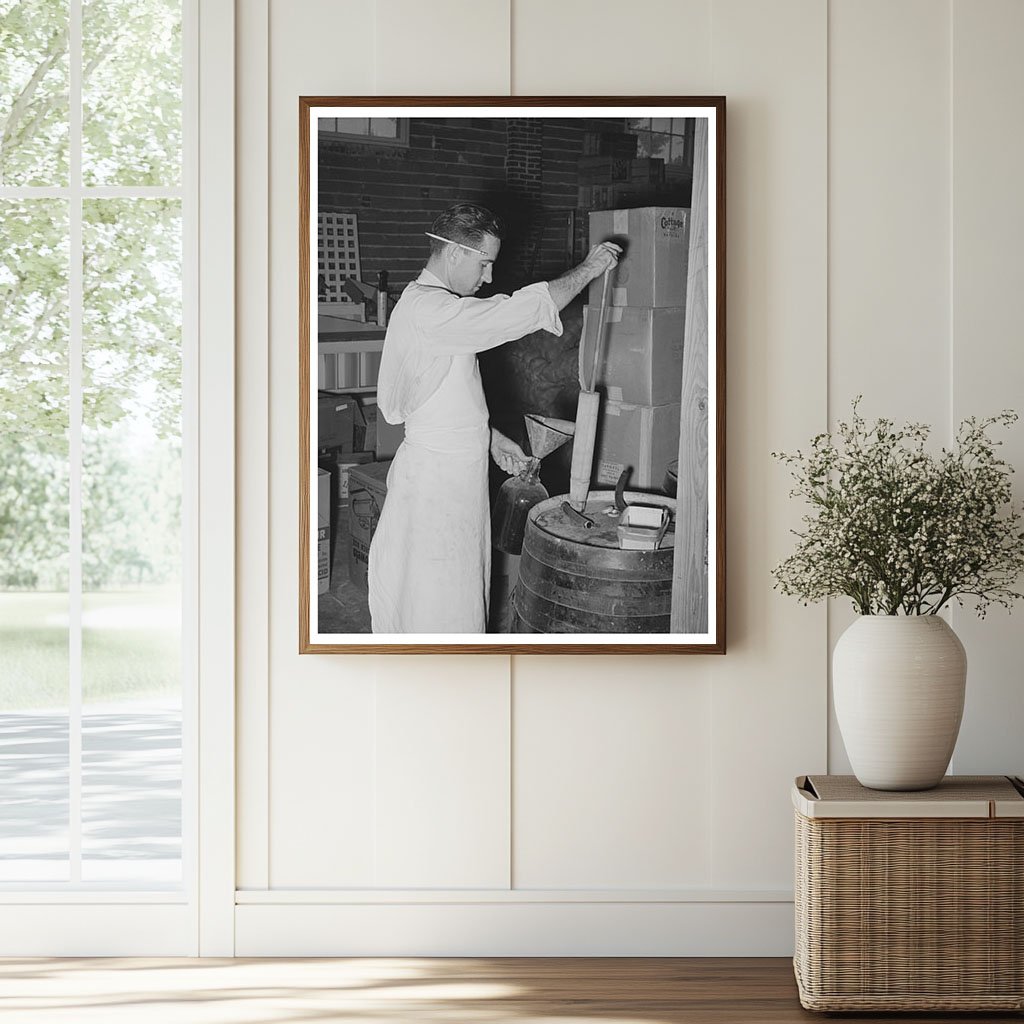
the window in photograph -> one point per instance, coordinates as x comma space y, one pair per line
666, 138
389, 131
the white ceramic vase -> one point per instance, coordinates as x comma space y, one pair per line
898, 684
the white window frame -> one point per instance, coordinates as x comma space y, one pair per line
50, 919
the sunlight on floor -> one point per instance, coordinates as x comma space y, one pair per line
186, 991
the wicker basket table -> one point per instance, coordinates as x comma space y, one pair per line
910, 901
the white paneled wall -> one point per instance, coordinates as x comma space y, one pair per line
322, 772
616, 754
442, 773
628, 805
441, 48
319, 749
768, 693
987, 366
889, 334
580, 48
889, 244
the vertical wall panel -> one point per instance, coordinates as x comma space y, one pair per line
988, 327
252, 189
322, 759
580, 48
769, 705
442, 773
320, 709
444, 48
889, 208
889, 249
612, 783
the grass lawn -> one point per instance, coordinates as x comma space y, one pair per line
130, 647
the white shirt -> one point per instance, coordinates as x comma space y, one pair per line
429, 561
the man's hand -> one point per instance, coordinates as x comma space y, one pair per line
565, 288
507, 454
602, 257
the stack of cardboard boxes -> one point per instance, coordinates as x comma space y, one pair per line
350, 436
640, 373
368, 487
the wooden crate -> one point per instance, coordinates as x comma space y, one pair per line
910, 901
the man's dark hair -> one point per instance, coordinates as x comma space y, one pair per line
466, 223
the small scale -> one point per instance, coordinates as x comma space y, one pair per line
642, 527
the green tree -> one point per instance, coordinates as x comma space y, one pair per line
33, 92
131, 365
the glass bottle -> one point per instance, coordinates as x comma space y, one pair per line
518, 494
382, 298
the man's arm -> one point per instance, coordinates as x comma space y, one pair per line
565, 288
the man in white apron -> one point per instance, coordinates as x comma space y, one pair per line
430, 557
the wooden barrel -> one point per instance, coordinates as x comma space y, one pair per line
575, 580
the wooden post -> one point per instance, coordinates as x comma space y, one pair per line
690, 570
583, 448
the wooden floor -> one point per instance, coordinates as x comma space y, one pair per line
413, 991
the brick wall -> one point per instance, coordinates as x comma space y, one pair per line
397, 192
523, 169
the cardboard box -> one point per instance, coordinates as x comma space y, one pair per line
380, 437
338, 420
641, 352
367, 489
653, 270
323, 531
641, 436
389, 437
600, 170
368, 407
609, 144
618, 193
648, 170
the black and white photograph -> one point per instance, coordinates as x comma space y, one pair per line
511, 375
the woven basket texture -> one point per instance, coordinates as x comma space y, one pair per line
911, 914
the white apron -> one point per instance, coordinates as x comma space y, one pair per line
430, 557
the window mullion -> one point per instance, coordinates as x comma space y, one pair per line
75, 337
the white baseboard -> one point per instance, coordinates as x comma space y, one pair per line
99, 928
513, 928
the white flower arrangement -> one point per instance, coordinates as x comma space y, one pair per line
899, 530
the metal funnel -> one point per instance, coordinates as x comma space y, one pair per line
547, 434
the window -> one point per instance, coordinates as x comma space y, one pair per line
668, 138
386, 131
94, 451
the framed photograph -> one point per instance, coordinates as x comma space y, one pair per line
512, 375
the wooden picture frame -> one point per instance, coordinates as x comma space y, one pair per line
378, 170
